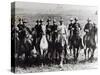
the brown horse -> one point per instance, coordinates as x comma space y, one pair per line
89, 43
76, 40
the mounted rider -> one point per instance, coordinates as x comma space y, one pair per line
48, 29
54, 30
94, 31
87, 29
38, 30
71, 31
62, 30
90, 30
62, 39
21, 30
76, 32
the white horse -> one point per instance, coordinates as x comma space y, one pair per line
43, 44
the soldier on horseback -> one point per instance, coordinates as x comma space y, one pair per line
76, 32
71, 34
48, 29
62, 29
38, 34
89, 38
94, 32
54, 30
70, 29
62, 41
38, 31
54, 35
21, 33
87, 28
76, 39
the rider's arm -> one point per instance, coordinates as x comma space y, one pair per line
86, 28
79, 26
65, 29
69, 27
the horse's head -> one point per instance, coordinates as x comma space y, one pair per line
44, 29
34, 53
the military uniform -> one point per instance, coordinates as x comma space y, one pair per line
62, 31
87, 29
93, 31
76, 33
90, 31
21, 31
76, 29
71, 32
70, 28
48, 29
54, 31
38, 30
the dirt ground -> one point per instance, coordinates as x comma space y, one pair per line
70, 66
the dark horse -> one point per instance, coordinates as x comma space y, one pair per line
89, 43
25, 45
75, 42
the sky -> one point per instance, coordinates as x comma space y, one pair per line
43, 8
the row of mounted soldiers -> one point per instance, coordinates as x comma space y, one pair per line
52, 31
74, 28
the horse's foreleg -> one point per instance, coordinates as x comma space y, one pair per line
65, 53
61, 59
74, 53
92, 55
85, 52
77, 54
89, 52
41, 57
70, 51
65, 50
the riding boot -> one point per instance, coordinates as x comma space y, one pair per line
81, 45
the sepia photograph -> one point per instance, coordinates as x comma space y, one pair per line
48, 37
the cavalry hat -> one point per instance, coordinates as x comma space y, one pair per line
41, 20
48, 20
19, 19
71, 19
61, 20
24, 21
76, 18
37, 21
88, 19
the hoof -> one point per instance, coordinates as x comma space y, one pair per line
61, 65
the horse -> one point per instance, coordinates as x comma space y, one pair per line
36, 49
90, 43
26, 46
30, 47
61, 44
43, 45
75, 42
50, 52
